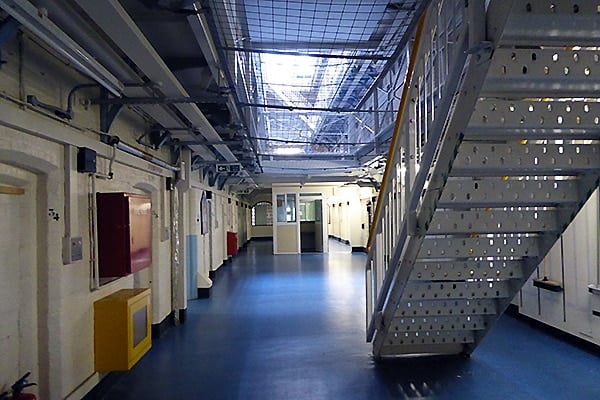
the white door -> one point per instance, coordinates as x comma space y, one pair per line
18, 276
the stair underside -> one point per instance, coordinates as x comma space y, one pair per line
528, 161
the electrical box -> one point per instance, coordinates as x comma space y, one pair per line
86, 160
121, 329
72, 249
124, 233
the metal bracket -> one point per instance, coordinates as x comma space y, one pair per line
158, 139
8, 29
196, 164
204, 169
221, 180
175, 154
157, 135
108, 112
212, 177
483, 51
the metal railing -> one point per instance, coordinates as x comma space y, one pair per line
436, 64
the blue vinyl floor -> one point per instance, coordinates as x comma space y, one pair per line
292, 327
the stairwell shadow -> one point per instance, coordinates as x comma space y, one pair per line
425, 377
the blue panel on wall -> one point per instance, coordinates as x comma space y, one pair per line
191, 255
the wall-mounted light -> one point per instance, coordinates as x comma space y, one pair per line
36, 21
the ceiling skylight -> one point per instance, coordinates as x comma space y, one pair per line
302, 67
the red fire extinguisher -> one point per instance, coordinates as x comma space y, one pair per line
16, 390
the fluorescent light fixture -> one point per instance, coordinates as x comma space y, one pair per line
288, 150
38, 23
374, 161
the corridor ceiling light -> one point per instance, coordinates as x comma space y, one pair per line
373, 161
36, 21
288, 150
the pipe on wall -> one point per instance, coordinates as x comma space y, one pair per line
145, 156
14, 120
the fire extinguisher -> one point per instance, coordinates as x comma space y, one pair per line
16, 390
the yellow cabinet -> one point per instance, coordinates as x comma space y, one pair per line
121, 329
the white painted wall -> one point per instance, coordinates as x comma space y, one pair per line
53, 302
348, 214
578, 256
260, 231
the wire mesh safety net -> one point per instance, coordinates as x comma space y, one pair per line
302, 68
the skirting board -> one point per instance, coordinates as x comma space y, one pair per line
262, 239
339, 239
203, 293
159, 329
213, 274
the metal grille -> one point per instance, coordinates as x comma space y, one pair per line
301, 68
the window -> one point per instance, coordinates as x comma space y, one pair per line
262, 214
286, 207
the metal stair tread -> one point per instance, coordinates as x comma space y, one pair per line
502, 193
427, 337
501, 159
490, 221
540, 119
469, 247
440, 307
467, 269
541, 22
439, 323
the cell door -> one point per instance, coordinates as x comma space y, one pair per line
18, 275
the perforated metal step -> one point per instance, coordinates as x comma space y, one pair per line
516, 192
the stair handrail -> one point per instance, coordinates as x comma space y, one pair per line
383, 190
422, 184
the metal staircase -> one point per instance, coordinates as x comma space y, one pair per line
496, 149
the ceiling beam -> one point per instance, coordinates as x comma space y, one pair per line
294, 108
112, 18
201, 99
308, 54
295, 45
